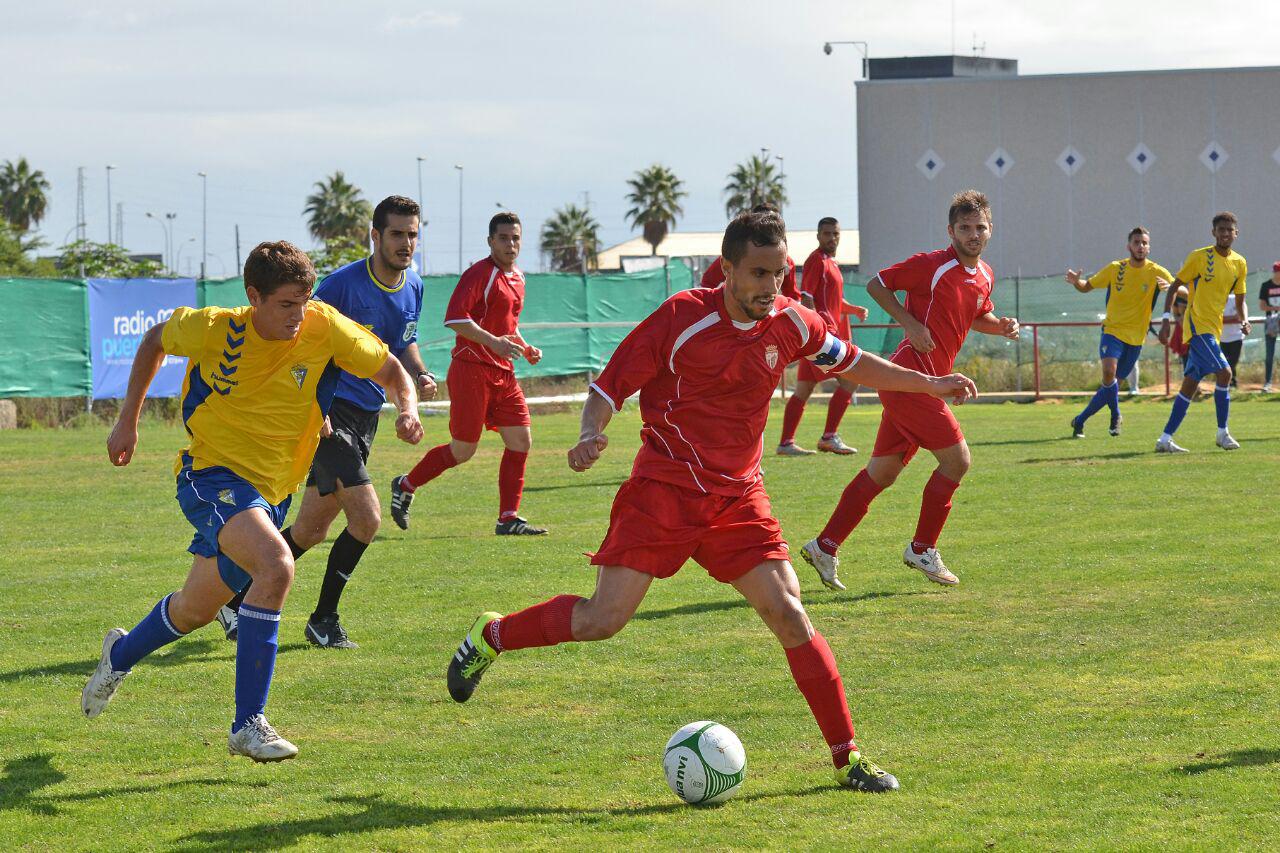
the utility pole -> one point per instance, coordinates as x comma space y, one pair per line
81, 228
119, 223
460, 268
238, 267
109, 170
204, 222
422, 250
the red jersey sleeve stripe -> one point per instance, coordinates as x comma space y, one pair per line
800, 324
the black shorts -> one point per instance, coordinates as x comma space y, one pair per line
340, 458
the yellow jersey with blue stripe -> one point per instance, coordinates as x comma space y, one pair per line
1131, 296
256, 406
1210, 279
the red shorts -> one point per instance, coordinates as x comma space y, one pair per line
806, 371
654, 527
912, 421
483, 396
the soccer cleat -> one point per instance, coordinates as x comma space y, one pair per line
1226, 442
230, 621
835, 445
105, 681
793, 449
1077, 429
259, 741
826, 564
930, 562
327, 633
471, 659
861, 774
400, 500
1166, 445
1266, 389
517, 526
1115, 424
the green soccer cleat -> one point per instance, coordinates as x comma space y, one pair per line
862, 774
471, 659
1077, 429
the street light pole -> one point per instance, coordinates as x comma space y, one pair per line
109, 170
860, 45
459, 168
204, 221
422, 250
178, 260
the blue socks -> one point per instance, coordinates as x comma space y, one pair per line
256, 644
1222, 403
1180, 405
1106, 395
154, 631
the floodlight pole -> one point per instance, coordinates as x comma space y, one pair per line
422, 250
109, 170
459, 168
204, 222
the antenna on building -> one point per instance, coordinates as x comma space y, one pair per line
979, 49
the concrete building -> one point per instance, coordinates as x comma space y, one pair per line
1071, 162
700, 248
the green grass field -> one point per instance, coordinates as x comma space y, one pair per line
1105, 676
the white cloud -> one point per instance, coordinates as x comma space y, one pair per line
426, 19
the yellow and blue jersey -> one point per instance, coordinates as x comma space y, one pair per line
1210, 279
1131, 296
389, 311
256, 406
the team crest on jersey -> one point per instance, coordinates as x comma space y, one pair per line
771, 355
410, 329
227, 497
980, 300
299, 374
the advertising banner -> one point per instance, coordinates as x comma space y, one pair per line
120, 313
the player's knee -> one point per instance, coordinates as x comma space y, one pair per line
274, 572
308, 534
364, 524
462, 450
786, 618
187, 613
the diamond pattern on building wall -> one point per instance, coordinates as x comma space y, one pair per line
1141, 158
1213, 156
930, 164
1070, 160
1000, 162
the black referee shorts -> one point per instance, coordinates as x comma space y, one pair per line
340, 458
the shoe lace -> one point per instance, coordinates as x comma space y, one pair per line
475, 664
869, 768
109, 683
265, 731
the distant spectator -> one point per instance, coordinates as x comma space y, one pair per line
1176, 344
1269, 302
1233, 333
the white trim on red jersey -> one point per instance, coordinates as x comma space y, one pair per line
617, 407
707, 321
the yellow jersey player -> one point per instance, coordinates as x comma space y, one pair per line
1211, 275
1132, 285
259, 382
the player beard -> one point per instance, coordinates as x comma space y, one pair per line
396, 261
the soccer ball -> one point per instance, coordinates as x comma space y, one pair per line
704, 763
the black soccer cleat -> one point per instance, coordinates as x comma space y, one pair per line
517, 526
400, 500
327, 633
863, 775
472, 658
1077, 429
1115, 424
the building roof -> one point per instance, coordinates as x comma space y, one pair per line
706, 244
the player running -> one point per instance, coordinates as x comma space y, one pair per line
705, 364
483, 392
1133, 284
822, 289
1211, 275
259, 381
948, 292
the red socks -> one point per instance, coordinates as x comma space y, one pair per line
857, 496
510, 483
934, 508
547, 624
814, 669
791, 419
836, 409
436, 462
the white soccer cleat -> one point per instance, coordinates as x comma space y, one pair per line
793, 449
105, 681
835, 445
930, 562
1226, 442
825, 563
259, 741
1166, 445
230, 622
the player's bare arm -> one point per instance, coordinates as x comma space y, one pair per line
1243, 313
916, 331
123, 440
875, 372
1170, 296
531, 354
856, 310
411, 358
509, 346
1081, 282
990, 324
393, 377
596, 414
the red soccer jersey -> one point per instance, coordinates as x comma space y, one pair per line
946, 297
824, 283
705, 382
490, 298
714, 277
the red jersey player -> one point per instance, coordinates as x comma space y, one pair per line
705, 364
714, 275
948, 293
484, 312
823, 291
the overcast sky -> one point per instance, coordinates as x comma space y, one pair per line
541, 102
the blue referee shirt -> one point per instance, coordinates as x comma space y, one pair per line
390, 312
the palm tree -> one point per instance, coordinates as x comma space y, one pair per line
655, 202
754, 182
337, 213
22, 194
569, 236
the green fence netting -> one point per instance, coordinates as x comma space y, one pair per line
44, 338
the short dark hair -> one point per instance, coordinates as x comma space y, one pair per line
766, 207
827, 220
1138, 229
506, 217
759, 229
397, 204
1225, 216
271, 266
966, 202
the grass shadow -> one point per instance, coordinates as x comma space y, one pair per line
691, 609
872, 596
1016, 441
1236, 758
581, 484
1091, 457
198, 650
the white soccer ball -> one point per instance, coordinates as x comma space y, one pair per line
704, 763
